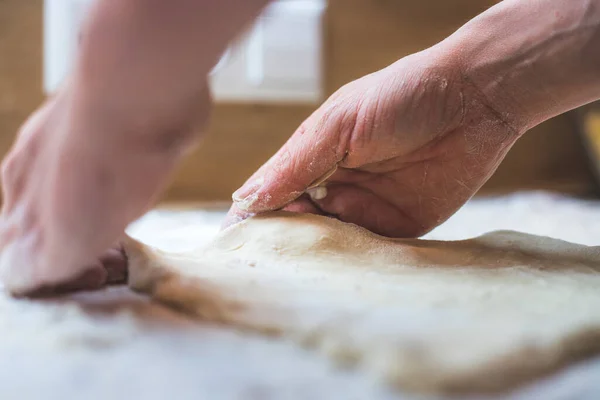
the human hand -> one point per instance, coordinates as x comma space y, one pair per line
94, 158
75, 177
411, 144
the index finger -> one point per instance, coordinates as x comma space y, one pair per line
307, 159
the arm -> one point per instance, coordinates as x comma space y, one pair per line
531, 60
96, 155
414, 141
144, 62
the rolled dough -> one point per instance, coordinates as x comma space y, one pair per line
479, 315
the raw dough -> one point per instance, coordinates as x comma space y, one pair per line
479, 315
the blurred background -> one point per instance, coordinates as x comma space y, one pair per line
297, 53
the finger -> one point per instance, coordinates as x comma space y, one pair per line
114, 262
360, 206
93, 277
110, 269
303, 205
311, 154
234, 216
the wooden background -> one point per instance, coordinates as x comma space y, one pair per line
361, 36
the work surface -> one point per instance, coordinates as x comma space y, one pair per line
113, 344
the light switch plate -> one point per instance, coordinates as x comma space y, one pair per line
278, 60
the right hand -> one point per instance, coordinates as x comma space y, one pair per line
411, 143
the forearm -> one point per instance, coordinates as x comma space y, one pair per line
100, 151
147, 60
531, 59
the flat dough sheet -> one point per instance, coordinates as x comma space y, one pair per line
480, 315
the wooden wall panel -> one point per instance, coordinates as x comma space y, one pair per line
364, 35
361, 36
240, 139
550, 156
20, 64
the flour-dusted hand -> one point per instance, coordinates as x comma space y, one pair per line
411, 143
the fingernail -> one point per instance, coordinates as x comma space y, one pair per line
247, 195
317, 193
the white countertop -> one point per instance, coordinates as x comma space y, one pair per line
113, 344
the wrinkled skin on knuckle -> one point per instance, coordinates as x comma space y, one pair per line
429, 104
335, 125
361, 121
347, 121
402, 108
367, 130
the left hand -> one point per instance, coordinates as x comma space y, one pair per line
76, 176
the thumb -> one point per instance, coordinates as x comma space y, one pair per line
308, 158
